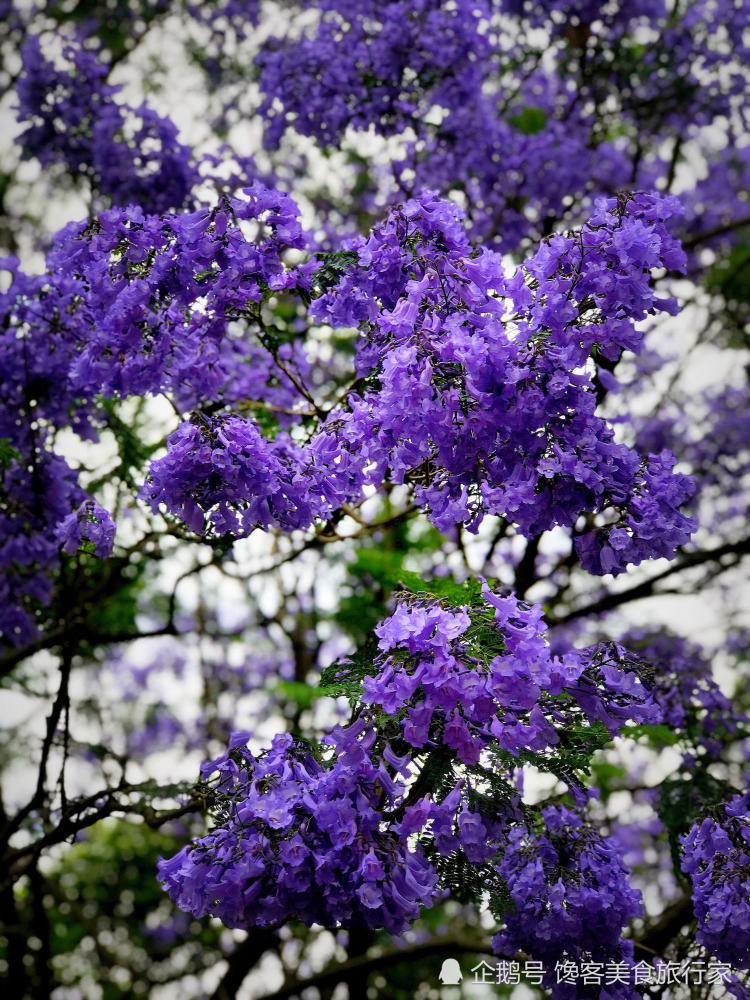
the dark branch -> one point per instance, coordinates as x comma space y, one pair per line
450, 946
657, 939
242, 960
526, 568
726, 227
645, 589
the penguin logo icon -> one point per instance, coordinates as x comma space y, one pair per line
450, 973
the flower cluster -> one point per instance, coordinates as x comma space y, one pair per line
72, 117
572, 897
34, 499
226, 467
716, 857
474, 387
391, 51
505, 101
130, 304
710, 435
482, 402
153, 298
90, 522
38, 489
479, 403
291, 824
440, 680
652, 526
351, 820
399, 62
134, 304
683, 687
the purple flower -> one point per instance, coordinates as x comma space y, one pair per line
716, 857
91, 523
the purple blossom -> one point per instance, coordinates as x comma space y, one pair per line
572, 897
72, 117
716, 857
91, 523
291, 823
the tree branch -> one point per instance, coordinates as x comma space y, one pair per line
645, 589
450, 946
526, 568
726, 227
242, 960
656, 939
16, 863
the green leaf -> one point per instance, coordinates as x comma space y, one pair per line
297, 691
8, 453
386, 567
345, 677
333, 267
606, 776
529, 120
658, 736
446, 589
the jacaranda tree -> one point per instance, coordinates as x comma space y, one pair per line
378, 435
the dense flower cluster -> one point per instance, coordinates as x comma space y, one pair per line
684, 689
116, 304
499, 416
526, 139
132, 155
153, 297
392, 50
292, 815
130, 304
455, 696
310, 371
572, 899
226, 467
293, 824
716, 857
476, 391
479, 404
34, 500
496, 419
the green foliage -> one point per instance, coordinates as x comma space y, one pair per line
529, 120
578, 744
377, 572
443, 588
267, 421
333, 266
113, 592
382, 564
280, 321
606, 776
132, 449
373, 573
300, 694
658, 736
8, 454
104, 904
683, 799
113, 30
730, 279
345, 679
